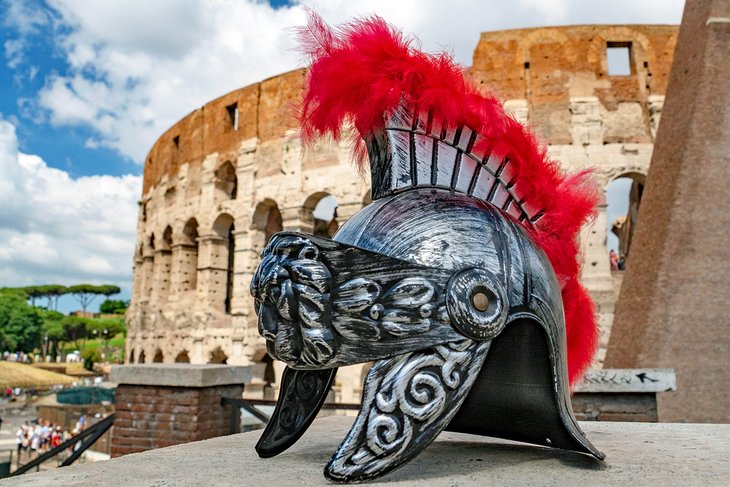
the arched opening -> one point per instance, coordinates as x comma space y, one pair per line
163, 264
267, 220
226, 182
623, 199
130, 359
140, 359
321, 210
167, 238
148, 269
158, 358
217, 356
188, 258
182, 358
137, 283
225, 230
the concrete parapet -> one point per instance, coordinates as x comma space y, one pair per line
181, 375
636, 453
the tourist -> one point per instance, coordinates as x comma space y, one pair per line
613, 259
622, 263
35, 441
20, 439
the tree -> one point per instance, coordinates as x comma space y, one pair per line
105, 330
20, 323
52, 292
33, 293
85, 293
109, 290
75, 330
51, 333
113, 306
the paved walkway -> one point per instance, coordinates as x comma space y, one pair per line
637, 454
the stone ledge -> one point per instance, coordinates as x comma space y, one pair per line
637, 453
180, 375
627, 380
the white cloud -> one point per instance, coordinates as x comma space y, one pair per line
136, 67
57, 229
25, 20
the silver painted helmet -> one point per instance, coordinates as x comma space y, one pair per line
437, 281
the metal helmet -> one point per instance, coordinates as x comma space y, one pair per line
447, 280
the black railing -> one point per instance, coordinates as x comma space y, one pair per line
87, 438
250, 405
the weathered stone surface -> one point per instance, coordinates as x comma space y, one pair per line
636, 454
180, 375
672, 311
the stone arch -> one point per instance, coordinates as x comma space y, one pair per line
148, 268
163, 265
217, 356
320, 211
138, 284
182, 357
130, 357
266, 222
224, 228
167, 238
222, 224
226, 182
623, 193
159, 357
186, 257
141, 358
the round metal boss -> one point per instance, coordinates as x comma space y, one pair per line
477, 304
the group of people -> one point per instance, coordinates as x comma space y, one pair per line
618, 262
41, 436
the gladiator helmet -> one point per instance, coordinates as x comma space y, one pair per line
459, 281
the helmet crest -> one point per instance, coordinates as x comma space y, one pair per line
367, 73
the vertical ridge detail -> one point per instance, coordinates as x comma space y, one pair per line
434, 161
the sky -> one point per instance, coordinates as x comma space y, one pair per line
87, 86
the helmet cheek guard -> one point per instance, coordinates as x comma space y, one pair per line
447, 280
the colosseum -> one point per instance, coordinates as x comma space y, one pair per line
226, 177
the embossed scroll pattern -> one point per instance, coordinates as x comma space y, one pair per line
407, 401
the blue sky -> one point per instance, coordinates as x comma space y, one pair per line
86, 86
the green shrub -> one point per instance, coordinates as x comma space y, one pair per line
90, 356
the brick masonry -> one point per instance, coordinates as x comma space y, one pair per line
148, 417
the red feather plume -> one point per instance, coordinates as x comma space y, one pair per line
361, 71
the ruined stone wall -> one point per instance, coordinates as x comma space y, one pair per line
557, 80
235, 169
